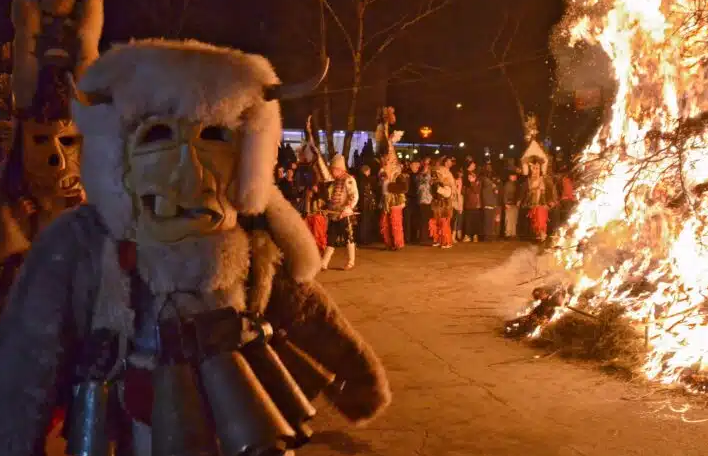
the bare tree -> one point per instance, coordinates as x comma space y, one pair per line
365, 48
500, 52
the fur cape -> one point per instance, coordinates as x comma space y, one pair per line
72, 271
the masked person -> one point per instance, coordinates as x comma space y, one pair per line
538, 193
151, 314
343, 198
442, 188
394, 184
41, 177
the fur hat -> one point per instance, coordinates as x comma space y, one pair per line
338, 162
187, 79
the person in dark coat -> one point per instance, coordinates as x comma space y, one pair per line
491, 205
472, 209
368, 204
411, 213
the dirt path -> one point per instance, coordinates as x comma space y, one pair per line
460, 389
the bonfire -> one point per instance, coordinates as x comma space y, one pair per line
638, 240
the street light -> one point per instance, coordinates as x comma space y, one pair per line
487, 154
558, 148
437, 151
458, 105
462, 145
511, 147
501, 156
415, 151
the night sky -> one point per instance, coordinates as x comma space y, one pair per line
449, 54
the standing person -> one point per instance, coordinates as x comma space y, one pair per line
442, 188
315, 215
491, 210
288, 189
343, 198
511, 206
425, 199
393, 183
472, 208
411, 213
458, 207
367, 206
538, 192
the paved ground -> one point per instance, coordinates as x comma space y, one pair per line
461, 389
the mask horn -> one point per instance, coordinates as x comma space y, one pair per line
293, 91
87, 99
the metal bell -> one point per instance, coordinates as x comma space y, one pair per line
282, 388
246, 419
88, 420
310, 375
180, 423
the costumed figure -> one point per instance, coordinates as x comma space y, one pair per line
312, 179
442, 187
394, 184
538, 193
60, 33
40, 177
177, 313
343, 198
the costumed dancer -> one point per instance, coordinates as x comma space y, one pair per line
394, 184
177, 312
343, 198
312, 179
40, 177
538, 193
442, 187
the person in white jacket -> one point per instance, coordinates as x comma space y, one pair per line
343, 198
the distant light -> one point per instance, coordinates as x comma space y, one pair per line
425, 132
462, 144
458, 105
415, 151
408, 157
400, 156
558, 148
511, 146
486, 154
437, 151
501, 156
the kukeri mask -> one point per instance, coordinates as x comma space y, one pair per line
180, 173
51, 155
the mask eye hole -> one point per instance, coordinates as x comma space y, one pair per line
215, 133
156, 133
68, 141
40, 139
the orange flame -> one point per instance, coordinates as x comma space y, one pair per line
639, 236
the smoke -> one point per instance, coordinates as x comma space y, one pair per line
583, 65
515, 279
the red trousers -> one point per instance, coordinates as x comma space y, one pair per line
391, 225
318, 227
539, 220
440, 231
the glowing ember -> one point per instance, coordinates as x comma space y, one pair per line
639, 235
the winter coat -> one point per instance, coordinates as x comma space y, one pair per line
472, 198
490, 193
367, 194
511, 193
425, 195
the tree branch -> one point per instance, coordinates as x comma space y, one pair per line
400, 26
339, 23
